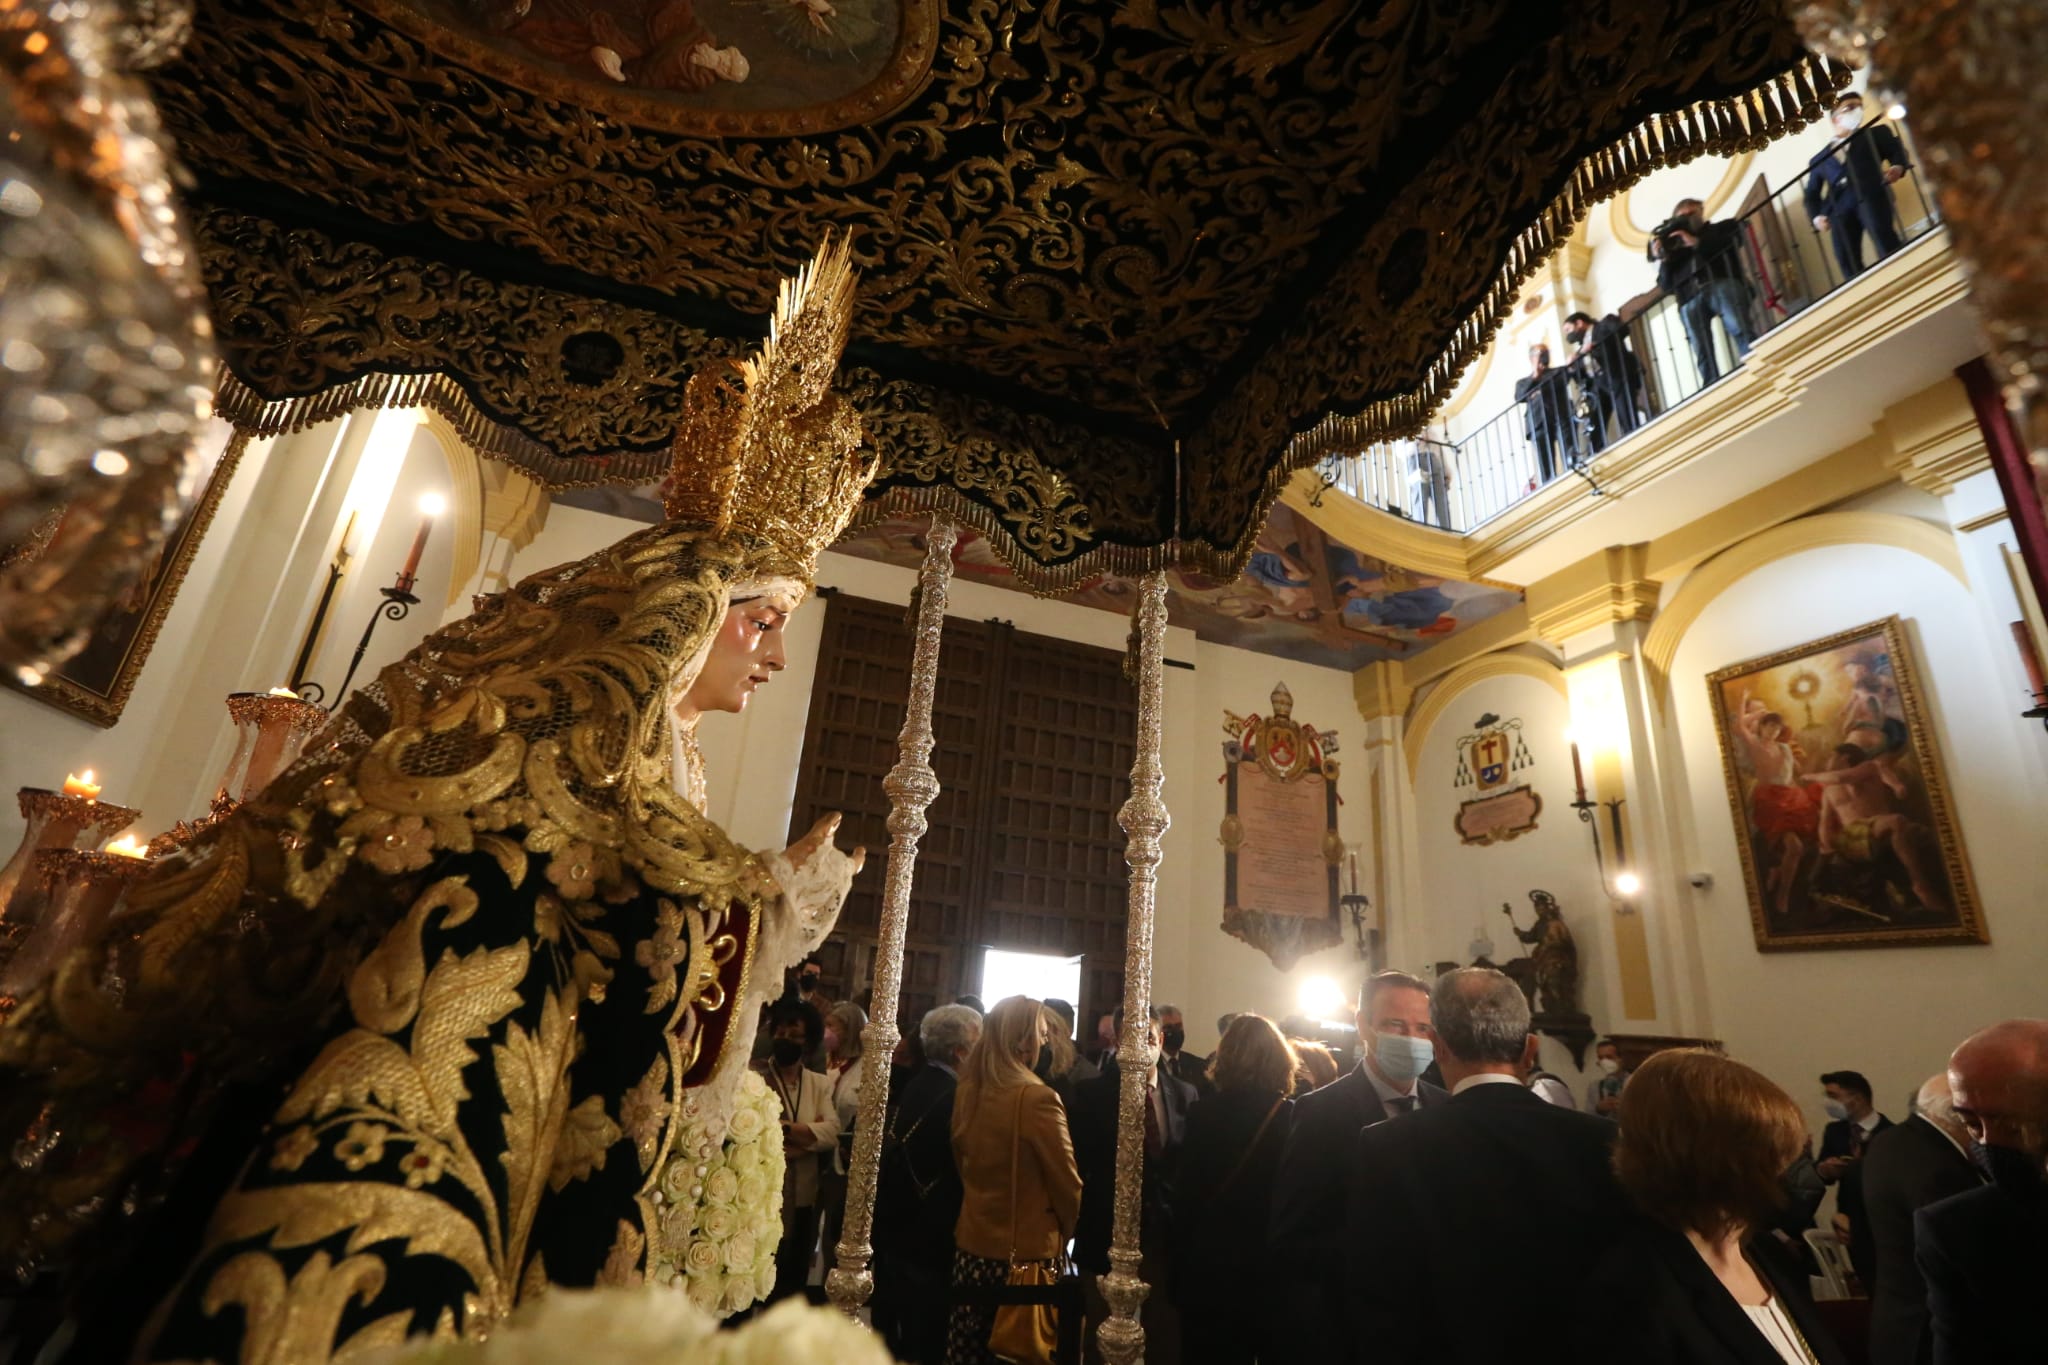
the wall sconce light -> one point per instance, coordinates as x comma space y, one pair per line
1625, 885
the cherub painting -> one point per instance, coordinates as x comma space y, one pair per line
1841, 815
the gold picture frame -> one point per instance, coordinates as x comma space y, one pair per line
1841, 809
95, 683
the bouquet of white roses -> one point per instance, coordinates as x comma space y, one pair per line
650, 1327
722, 1205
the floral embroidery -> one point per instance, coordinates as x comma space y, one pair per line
402, 845
423, 1165
587, 1135
644, 1109
293, 1149
574, 872
622, 1265
660, 954
362, 1146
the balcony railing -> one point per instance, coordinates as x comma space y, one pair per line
1662, 348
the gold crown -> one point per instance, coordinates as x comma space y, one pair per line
765, 449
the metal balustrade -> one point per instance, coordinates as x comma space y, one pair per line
1628, 377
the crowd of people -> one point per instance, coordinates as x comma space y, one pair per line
1443, 1197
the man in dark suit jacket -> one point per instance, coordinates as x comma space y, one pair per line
1917, 1163
918, 1193
1984, 1253
1179, 1063
1470, 1223
1848, 185
1307, 1230
1854, 1121
1093, 1124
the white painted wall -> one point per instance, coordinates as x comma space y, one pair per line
1891, 1013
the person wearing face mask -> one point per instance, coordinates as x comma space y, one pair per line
1700, 264
1984, 1253
1224, 1198
1849, 185
810, 1131
1094, 1122
1852, 1122
1306, 1229
1179, 1063
1603, 1096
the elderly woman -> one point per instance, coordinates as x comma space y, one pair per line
1703, 1143
1021, 1191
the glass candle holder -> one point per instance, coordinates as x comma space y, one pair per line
80, 889
274, 727
55, 820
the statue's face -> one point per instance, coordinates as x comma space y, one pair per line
746, 652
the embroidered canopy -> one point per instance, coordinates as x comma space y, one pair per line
1125, 268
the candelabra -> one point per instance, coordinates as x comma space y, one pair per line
1622, 885
55, 819
81, 888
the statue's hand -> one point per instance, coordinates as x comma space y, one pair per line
815, 877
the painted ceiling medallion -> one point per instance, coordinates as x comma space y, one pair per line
745, 68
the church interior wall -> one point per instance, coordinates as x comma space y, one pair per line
1795, 1014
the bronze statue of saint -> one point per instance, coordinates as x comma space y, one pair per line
1555, 955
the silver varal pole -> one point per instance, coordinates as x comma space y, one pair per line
912, 785
1144, 820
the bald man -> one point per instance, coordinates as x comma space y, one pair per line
1985, 1253
1919, 1162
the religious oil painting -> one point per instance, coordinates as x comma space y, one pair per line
1835, 784
94, 684
704, 66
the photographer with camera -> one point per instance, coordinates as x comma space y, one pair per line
1700, 264
1607, 373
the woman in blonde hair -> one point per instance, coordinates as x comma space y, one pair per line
1021, 1189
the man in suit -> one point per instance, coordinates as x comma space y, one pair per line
1178, 1063
1984, 1253
1307, 1232
1470, 1223
1853, 1121
1917, 1163
1849, 185
917, 1193
1093, 1123
1546, 413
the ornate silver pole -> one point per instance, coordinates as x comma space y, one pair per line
1144, 819
911, 785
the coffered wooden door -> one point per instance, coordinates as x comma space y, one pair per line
1035, 738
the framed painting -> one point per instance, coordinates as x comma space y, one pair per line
95, 683
1841, 812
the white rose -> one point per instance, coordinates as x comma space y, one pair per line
753, 1189
704, 1291
719, 1223
764, 1279
675, 1180
722, 1186
747, 1124
702, 1257
740, 1251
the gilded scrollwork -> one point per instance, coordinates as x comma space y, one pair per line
1192, 247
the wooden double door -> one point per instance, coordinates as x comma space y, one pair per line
1035, 738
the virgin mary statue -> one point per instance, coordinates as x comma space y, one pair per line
406, 1039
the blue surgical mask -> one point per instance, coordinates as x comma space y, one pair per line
1836, 1110
1400, 1057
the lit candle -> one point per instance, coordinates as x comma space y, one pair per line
1351, 865
283, 692
82, 786
431, 506
1578, 773
128, 846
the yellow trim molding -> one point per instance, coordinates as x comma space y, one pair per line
1371, 531
1623, 224
1612, 585
1460, 679
1381, 691
1936, 544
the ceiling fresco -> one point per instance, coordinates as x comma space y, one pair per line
1302, 596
